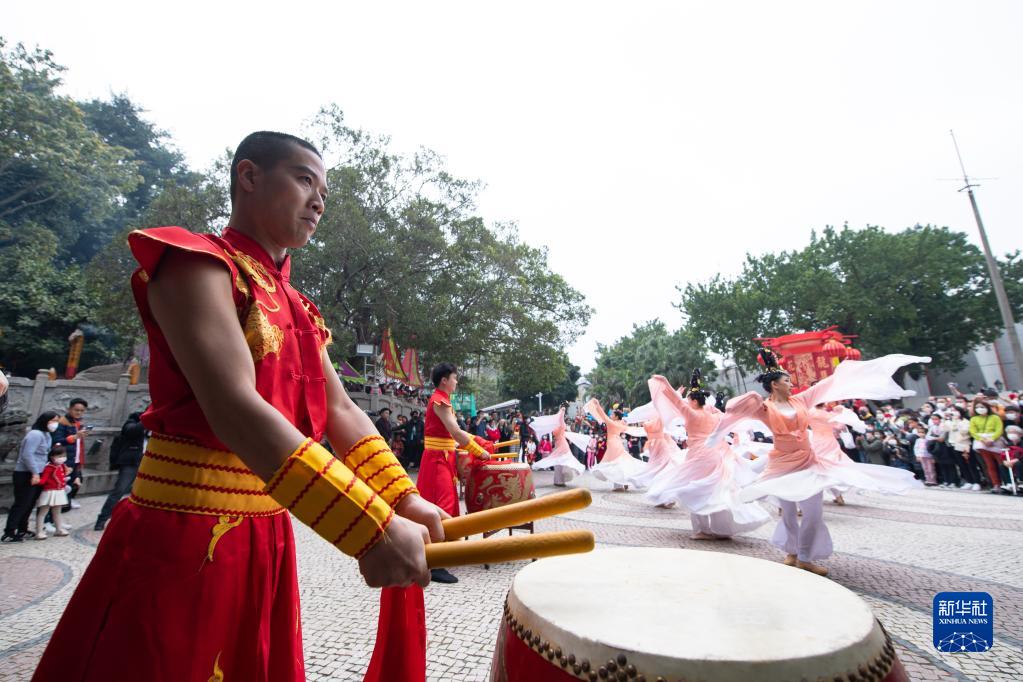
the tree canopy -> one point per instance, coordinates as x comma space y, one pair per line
623, 368
924, 291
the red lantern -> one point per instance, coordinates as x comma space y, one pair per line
853, 354
834, 348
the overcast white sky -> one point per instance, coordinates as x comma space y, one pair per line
646, 144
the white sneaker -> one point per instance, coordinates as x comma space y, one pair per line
42, 536
964, 486
49, 528
975, 486
75, 505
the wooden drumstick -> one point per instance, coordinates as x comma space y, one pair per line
515, 548
506, 443
516, 514
504, 455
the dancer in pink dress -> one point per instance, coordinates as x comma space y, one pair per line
795, 472
708, 481
848, 474
662, 453
565, 465
617, 466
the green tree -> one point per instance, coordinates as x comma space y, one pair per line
623, 368
40, 305
200, 205
55, 171
554, 376
921, 291
119, 122
58, 177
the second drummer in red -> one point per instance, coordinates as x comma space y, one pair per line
438, 476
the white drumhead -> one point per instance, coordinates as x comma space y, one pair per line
700, 615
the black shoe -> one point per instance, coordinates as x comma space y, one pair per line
442, 575
7, 537
100, 525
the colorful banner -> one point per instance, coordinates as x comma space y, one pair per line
348, 373
410, 365
392, 366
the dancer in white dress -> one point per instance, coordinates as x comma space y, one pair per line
565, 465
708, 481
795, 472
617, 466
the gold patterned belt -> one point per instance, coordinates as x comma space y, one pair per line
179, 475
431, 443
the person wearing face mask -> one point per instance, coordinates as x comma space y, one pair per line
1011, 416
925, 457
52, 497
986, 430
937, 437
32, 456
958, 439
1013, 457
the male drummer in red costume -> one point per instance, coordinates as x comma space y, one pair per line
195, 577
438, 475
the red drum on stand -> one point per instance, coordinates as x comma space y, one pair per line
672, 614
495, 485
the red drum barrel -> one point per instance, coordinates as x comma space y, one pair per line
495, 485
671, 614
463, 463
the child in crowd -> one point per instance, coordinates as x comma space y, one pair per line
924, 456
53, 497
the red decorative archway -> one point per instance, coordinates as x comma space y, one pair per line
811, 356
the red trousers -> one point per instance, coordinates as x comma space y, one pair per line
436, 481
991, 461
153, 606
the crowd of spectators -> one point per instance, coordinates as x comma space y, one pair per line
955, 441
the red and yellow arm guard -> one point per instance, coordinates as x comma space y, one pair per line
474, 448
372, 461
325, 495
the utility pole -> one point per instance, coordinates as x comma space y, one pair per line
539, 396
996, 275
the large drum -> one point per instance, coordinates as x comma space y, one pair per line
495, 485
671, 614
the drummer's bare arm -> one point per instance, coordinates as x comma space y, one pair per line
463, 439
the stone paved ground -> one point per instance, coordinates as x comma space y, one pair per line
896, 552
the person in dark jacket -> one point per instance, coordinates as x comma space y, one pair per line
129, 455
383, 424
71, 434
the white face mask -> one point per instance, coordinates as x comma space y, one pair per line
1014, 437
59, 460
51, 427
981, 410
1011, 416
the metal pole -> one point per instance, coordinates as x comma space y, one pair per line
996, 276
